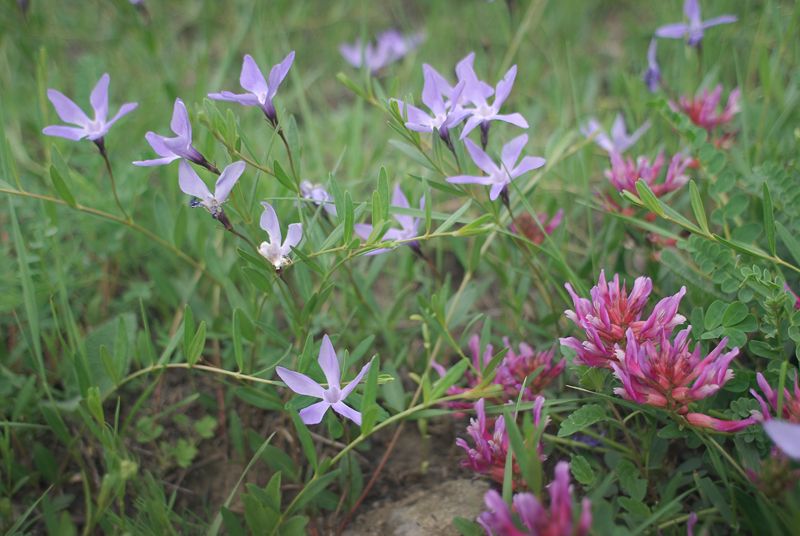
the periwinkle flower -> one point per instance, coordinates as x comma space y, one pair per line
611, 311
692, 30
786, 435
666, 374
191, 184
317, 194
527, 226
387, 48
703, 108
277, 250
619, 141
91, 129
483, 112
490, 448
529, 517
444, 113
408, 224
791, 400
260, 91
499, 177
625, 172
652, 76
179, 146
333, 396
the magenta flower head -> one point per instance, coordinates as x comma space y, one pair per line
191, 184
180, 146
490, 450
91, 129
525, 225
317, 194
652, 76
703, 108
408, 224
619, 141
606, 317
532, 518
333, 396
499, 177
260, 91
276, 250
786, 435
791, 400
517, 366
387, 48
483, 112
625, 172
692, 30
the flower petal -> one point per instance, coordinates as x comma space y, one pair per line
293, 236
191, 183
124, 110
68, 111
514, 119
314, 413
245, 99
673, 31
99, 98
251, 77
300, 383
352, 385
528, 163
269, 222
494, 192
504, 88
329, 363
362, 230
278, 73
722, 19
512, 150
469, 179
785, 435
227, 180
346, 411
480, 158
180, 124
70, 133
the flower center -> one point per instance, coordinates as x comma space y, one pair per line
332, 395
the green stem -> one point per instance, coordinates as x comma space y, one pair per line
102, 148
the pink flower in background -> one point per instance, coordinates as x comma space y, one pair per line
791, 400
490, 448
533, 518
525, 224
704, 111
625, 172
611, 311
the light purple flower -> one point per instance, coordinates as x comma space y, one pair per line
180, 146
693, 30
652, 76
786, 435
483, 112
474, 88
408, 224
276, 250
317, 194
260, 91
387, 48
91, 129
333, 396
191, 184
444, 113
535, 519
499, 177
619, 141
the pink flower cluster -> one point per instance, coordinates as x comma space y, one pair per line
704, 111
624, 172
609, 314
525, 225
791, 401
490, 450
533, 518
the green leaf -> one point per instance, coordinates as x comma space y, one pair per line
581, 418
734, 313
788, 239
769, 219
109, 365
714, 314
197, 344
283, 177
449, 379
383, 192
188, 329
56, 176
630, 481
349, 218
454, 217
205, 426
306, 442
697, 206
369, 412
581, 470
649, 199
238, 351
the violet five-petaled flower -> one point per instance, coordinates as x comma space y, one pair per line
333, 396
388, 47
532, 517
652, 76
692, 30
408, 224
260, 91
606, 317
482, 112
191, 184
619, 141
786, 435
91, 129
317, 194
276, 250
444, 114
625, 172
179, 146
499, 177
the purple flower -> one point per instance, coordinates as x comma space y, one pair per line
408, 224
693, 31
605, 318
91, 129
625, 172
387, 48
333, 396
276, 250
619, 141
260, 91
483, 112
444, 114
786, 435
652, 76
317, 194
170, 149
499, 177
535, 519
192, 184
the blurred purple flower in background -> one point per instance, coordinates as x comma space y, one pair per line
333, 396
91, 129
191, 184
693, 30
276, 250
499, 177
317, 194
652, 76
408, 224
619, 141
387, 48
260, 91
170, 149
790, 400
786, 435
483, 112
